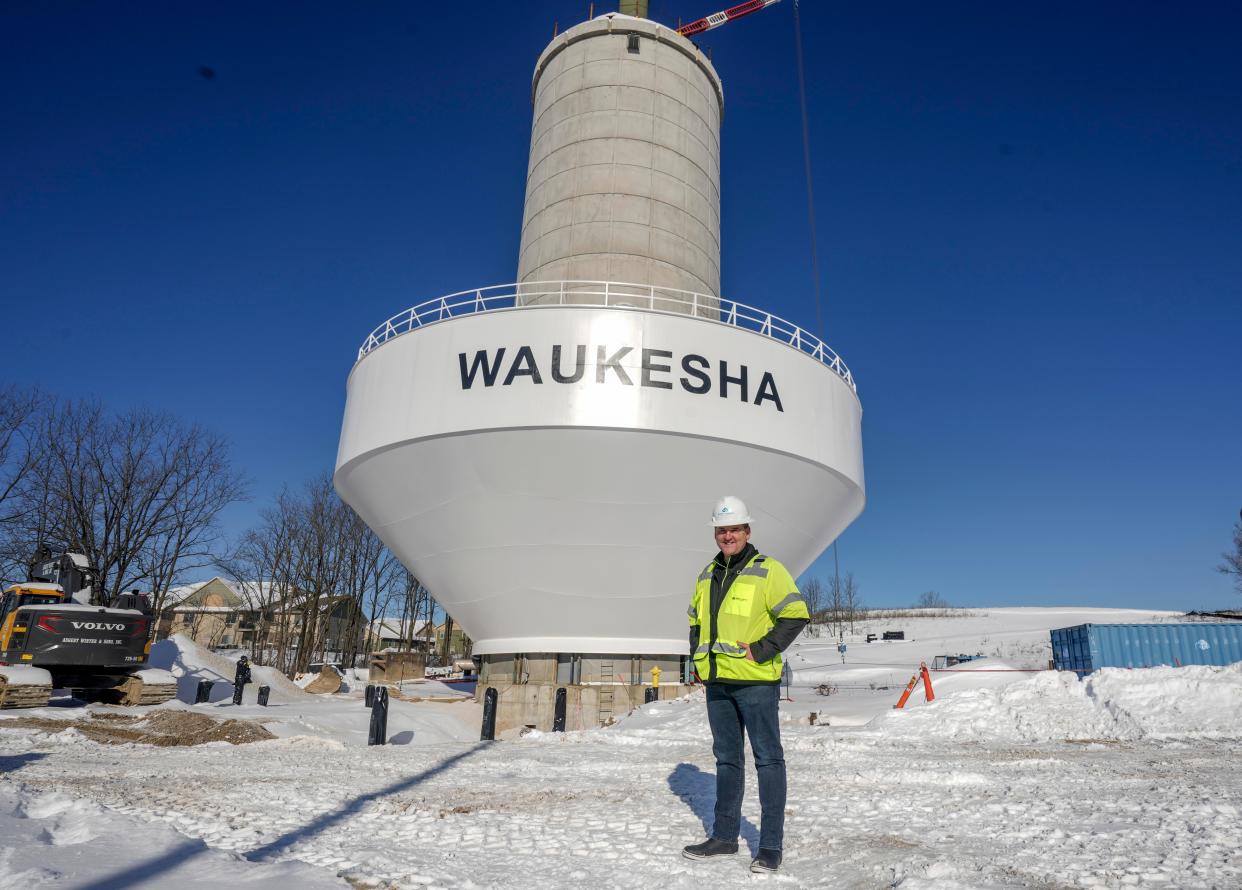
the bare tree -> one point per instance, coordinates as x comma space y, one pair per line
415, 599
448, 639
382, 593
366, 575
202, 485
206, 628
138, 494
20, 454
813, 593
327, 577
1233, 558
318, 568
931, 600
851, 600
409, 611
18, 446
836, 604
261, 565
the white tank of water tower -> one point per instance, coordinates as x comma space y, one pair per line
544, 455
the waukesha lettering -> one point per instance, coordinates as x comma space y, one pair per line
694, 375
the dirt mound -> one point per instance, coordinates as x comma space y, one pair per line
164, 729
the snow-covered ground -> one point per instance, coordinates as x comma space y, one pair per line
1008, 779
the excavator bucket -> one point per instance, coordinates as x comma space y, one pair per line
147, 687
328, 682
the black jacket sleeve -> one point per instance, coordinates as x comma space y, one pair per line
694, 639
777, 640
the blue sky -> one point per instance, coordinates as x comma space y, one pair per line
1030, 227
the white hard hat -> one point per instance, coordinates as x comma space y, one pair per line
730, 511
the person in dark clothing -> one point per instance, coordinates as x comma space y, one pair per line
240, 679
745, 612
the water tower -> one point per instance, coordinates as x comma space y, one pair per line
544, 455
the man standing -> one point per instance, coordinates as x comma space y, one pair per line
240, 679
746, 610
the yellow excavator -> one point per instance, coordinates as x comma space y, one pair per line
48, 641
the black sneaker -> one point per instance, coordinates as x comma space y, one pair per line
710, 847
766, 861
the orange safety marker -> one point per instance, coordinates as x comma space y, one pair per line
927, 687
901, 702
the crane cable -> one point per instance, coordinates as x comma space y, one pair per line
810, 213
806, 160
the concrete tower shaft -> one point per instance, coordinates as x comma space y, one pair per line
624, 177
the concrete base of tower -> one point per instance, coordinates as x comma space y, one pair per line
599, 689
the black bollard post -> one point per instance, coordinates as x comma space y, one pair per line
558, 716
379, 717
264, 692
203, 693
650, 694
370, 695
489, 715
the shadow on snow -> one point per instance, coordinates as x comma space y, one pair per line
697, 791
183, 852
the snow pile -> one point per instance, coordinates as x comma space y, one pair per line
25, 675
189, 663
1114, 704
1174, 702
1047, 707
355, 678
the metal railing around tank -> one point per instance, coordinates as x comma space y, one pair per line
533, 294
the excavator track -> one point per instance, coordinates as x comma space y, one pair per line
142, 687
23, 695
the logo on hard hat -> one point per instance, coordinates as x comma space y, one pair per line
730, 511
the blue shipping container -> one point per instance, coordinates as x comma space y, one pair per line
1088, 647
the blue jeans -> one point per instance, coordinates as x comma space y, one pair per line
730, 710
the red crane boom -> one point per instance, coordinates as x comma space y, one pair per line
716, 19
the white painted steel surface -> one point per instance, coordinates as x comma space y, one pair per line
623, 181
574, 516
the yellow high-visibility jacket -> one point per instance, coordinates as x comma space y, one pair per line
762, 592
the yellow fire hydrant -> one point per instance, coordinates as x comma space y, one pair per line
655, 677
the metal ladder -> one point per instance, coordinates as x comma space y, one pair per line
606, 703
